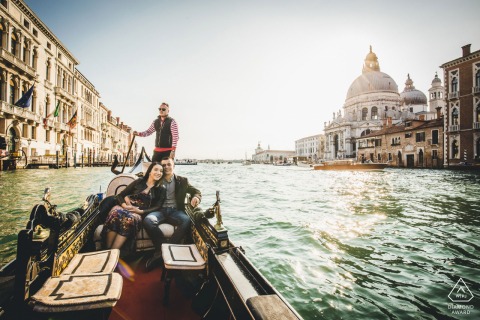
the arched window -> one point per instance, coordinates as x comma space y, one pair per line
374, 113
454, 84
365, 132
14, 44
455, 150
12, 91
455, 116
364, 113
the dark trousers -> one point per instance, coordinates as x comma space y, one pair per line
158, 156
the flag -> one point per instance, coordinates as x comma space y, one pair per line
55, 113
73, 121
57, 109
26, 100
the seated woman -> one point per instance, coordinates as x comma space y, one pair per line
138, 199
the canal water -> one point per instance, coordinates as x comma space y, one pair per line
337, 245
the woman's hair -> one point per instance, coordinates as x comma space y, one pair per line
147, 174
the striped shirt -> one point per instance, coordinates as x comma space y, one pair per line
173, 129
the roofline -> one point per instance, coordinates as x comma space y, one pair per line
39, 23
457, 61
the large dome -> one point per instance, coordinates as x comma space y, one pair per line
372, 79
412, 96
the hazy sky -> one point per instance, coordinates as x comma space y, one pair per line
236, 73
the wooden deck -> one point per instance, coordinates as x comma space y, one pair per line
142, 298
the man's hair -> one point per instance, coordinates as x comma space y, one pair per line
165, 158
164, 103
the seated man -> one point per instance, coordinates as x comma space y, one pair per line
172, 212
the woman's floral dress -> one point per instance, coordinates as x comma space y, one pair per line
124, 222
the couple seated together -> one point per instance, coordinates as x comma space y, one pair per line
158, 197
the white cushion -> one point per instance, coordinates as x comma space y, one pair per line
182, 256
78, 292
93, 262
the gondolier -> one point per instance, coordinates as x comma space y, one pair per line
166, 134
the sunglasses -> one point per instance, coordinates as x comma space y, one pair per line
162, 109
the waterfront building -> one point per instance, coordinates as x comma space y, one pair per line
64, 116
272, 156
311, 148
412, 143
462, 82
372, 98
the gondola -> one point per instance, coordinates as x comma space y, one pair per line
52, 243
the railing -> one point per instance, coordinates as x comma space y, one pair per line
17, 62
455, 127
20, 113
476, 125
453, 95
62, 92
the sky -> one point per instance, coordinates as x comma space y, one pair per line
239, 73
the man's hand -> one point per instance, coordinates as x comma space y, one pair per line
135, 133
195, 202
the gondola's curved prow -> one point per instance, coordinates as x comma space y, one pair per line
234, 287
44, 248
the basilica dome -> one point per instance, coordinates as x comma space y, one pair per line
372, 79
412, 96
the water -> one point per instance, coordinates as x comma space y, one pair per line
337, 245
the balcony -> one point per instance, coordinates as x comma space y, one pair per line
60, 127
10, 111
453, 95
455, 127
105, 146
64, 93
476, 90
19, 64
476, 125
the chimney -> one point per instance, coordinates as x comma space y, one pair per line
466, 50
389, 122
384, 124
118, 121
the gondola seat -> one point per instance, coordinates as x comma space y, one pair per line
179, 257
87, 288
143, 241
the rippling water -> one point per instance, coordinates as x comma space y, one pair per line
337, 245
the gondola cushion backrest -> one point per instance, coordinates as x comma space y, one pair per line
119, 183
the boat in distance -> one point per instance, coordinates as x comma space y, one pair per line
61, 270
349, 165
185, 162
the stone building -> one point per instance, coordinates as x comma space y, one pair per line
412, 143
272, 156
311, 148
462, 82
31, 55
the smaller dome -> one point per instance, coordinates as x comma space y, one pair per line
436, 80
410, 95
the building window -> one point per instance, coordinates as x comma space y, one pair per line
477, 78
411, 109
454, 81
1, 35
374, 113
390, 157
477, 153
26, 24
434, 136
454, 117
14, 44
408, 134
5, 3
35, 32
478, 113
420, 136
49, 45
455, 150
434, 154
364, 113
12, 92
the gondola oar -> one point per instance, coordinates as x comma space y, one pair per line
115, 161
